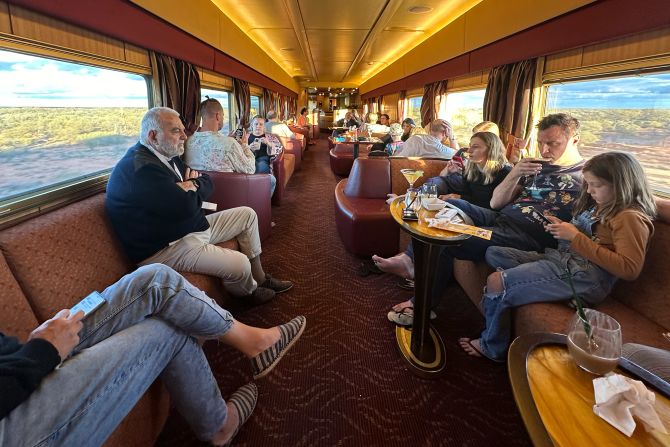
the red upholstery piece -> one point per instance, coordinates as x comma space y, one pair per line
302, 134
282, 167
293, 146
341, 162
362, 216
233, 189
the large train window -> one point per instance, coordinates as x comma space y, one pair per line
464, 111
628, 113
62, 122
413, 109
224, 98
255, 106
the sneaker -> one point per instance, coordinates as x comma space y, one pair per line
275, 284
260, 296
264, 362
406, 316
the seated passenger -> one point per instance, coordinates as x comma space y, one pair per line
529, 191
407, 126
302, 119
264, 146
209, 150
450, 179
76, 378
607, 239
275, 127
384, 120
154, 202
396, 143
430, 145
486, 169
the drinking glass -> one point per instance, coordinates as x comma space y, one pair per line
429, 191
411, 175
594, 343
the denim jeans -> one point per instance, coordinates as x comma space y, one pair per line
451, 184
263, 165
144, 331
531, 277
505, 234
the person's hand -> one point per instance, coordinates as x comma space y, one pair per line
62, 331
560, 229
525, 167
187, 186
451, 168
191, 173
449, 196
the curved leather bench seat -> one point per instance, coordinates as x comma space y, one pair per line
342, 157
232, 189
282, 166
362, 216
293, 146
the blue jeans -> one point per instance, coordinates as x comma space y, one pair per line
263, 165
451, 184
505, 234
144, 331
531, 277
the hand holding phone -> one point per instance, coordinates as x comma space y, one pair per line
89, 304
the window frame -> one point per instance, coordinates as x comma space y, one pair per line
407, 101
20, 207
258, 110
602, 72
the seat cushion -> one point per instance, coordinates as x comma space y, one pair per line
61, 256
16, 317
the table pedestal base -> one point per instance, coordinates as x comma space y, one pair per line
434, 365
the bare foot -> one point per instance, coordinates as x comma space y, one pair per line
404, 305
471, 347
226, 432
400, 265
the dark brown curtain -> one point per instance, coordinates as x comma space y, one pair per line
293, 107
430, 104
176, 84
282, 108
508, 101
401, 105
370, 103
380, 100
268, 102
242, 102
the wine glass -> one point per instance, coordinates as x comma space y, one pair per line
411, 175
594, 342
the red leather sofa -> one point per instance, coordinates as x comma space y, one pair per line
362, 216
295, 147
282, 168
232, 189
342, 157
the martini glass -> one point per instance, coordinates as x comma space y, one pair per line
411, 175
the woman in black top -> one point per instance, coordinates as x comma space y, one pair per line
486, 168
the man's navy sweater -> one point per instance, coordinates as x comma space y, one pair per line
148, 210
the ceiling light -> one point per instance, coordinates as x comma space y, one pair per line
420, 9
370, 63
287, 49
298, 69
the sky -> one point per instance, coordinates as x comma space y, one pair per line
633, 92
29, 81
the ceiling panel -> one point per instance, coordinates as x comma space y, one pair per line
248, 14
335, 44
340, 14
443, 12
277, 39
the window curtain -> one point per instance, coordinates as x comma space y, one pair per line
242, 103
371, 105
282, 108
508, 100
432, 98
268, 102
401, 105
380, 102
176, 84
293, 107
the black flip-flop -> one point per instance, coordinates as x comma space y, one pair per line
368, 267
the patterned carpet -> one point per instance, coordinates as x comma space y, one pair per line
343, 384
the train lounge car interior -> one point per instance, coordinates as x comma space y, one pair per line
76, 78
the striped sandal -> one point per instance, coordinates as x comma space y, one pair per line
264, 362
244, 401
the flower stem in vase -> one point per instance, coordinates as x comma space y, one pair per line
581, 314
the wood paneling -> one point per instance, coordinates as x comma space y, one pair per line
5, 24
30, 25
137, 55
652, 43
564, 60
469, 81
211, 79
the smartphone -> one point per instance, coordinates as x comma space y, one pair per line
89, 304
543, 218
238, 133
458, 160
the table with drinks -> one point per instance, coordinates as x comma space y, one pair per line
421, 345
352, 137
552, 381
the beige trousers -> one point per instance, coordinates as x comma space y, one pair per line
197, 253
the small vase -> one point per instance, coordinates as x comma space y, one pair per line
594, 343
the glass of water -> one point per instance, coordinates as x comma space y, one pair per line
429, 191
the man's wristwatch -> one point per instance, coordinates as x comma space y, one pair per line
195, 182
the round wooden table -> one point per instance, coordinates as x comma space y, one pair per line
421, 346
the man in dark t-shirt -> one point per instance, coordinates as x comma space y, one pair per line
531, 189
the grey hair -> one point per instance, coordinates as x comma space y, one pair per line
152, 121
271, 115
